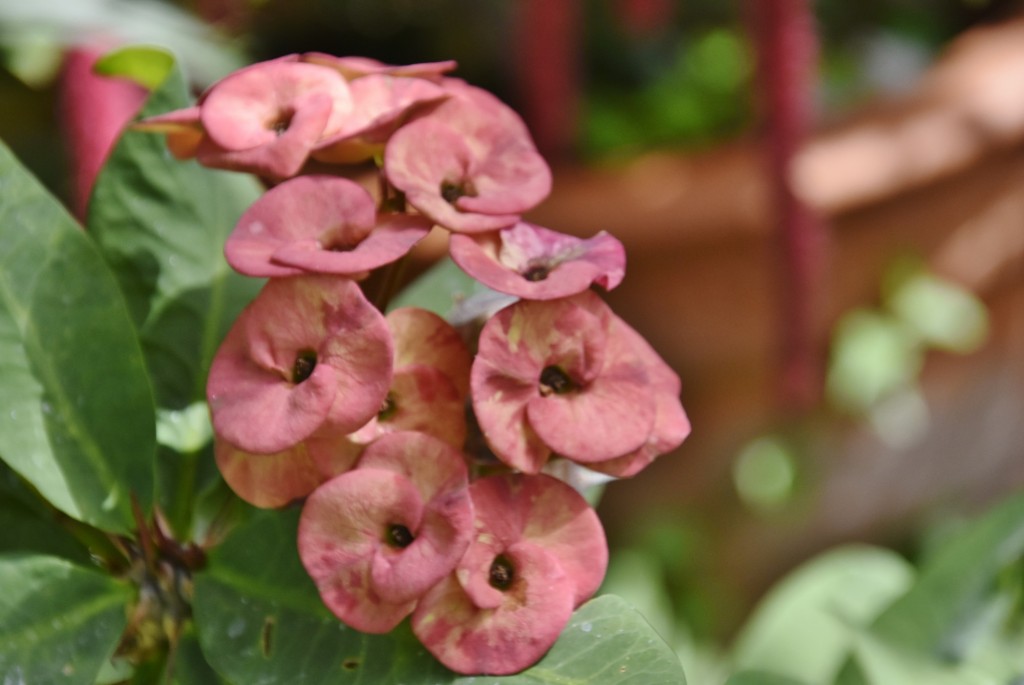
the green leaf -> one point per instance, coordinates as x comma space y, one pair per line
931, 633
760, 678
806, 626
190, 666
27, 524
23, 530
161, 224
261, 622
449, 292
208, 52
260, 619
873, 355
58, 622
76, 407
147, 66
607, 641
943, 314
185, 466
881, 663
932, 618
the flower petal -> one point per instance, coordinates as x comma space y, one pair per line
421, 399
544, 511
438, 472
423, 337
539, 551
381, 103
469, 163
342, 531
671, 425
256, 400
386, 532
274, 480
504, 639
391, 239
356, 67
250, 107
515, 348
535, 263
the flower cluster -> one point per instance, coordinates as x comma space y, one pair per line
422, 453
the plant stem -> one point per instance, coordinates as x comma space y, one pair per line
784, 32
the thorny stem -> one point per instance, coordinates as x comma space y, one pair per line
148, 551
162, 569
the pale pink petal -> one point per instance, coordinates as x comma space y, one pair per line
469, 163
421, 399
391, 239
517, 348
438, 472
539, 551
254, 106
422, 159
501, 640
356, 67
535, 263
671, 425
275, 480
307, 352
605, 418
381, 103
500, 403
279, 157
343, 529
378, 537
423, 337
259, 407
323, 224
544, 511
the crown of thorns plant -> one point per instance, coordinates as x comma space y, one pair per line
422, 453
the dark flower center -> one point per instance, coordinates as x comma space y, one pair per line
388, 409
281, 123
453, 190
536, 273
502, 573
555, 380
399, 536
338, 245
305, 362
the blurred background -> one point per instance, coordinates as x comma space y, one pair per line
823, 210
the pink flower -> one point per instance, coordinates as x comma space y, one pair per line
566, 377
538, 552
382, 103
431, 380
383, 96
671, 425
469, 163
355, 67
375, 539
275, 480
535, 263
265, 118
308, 353
323, 224
423, 338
